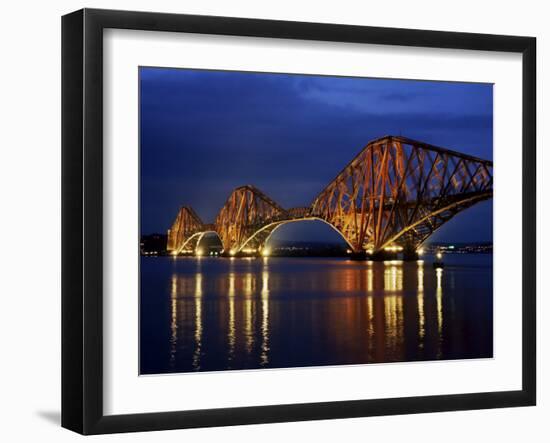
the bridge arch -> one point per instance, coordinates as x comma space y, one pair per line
257, 242
431, 222
246, 211
192, 244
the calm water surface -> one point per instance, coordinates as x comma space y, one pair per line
209, 314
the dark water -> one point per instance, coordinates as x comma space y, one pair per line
209, 314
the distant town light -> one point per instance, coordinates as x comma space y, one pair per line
420, 251
439, 255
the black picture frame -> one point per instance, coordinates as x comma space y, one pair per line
82, 220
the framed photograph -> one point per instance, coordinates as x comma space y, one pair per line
269, 221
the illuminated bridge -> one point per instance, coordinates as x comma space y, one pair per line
392, 196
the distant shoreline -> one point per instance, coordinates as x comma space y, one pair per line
155, 245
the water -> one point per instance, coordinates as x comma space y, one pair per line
210, 314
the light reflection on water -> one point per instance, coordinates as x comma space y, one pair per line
218, 314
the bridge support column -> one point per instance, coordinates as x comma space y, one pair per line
384, 255
361, 255
410, 254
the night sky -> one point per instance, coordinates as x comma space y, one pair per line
203, 133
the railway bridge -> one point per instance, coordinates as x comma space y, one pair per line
392, 196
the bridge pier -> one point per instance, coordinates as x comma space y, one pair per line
241, 254
361, 255
377, 256
410, 254
384, 255
407, 254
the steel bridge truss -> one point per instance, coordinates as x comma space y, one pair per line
395, 192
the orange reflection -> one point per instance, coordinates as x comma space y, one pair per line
420, 302
393, 314
361, 312
173, 319
439, 304
370, 279
248, 312
393, 276
264, 360
198, 322
231, 338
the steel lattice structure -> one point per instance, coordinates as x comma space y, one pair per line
396, 191
246, 212
186, 226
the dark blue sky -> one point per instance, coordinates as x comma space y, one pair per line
203, 133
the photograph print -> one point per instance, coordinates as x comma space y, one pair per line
291, 220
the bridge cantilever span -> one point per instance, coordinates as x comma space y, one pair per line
395, 192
